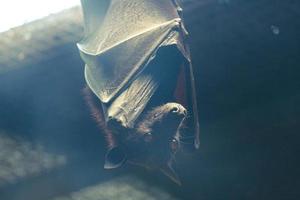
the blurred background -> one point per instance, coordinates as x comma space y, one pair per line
246, 56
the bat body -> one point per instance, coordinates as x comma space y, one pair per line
138, 66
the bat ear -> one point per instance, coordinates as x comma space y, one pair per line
170, 172
114, 158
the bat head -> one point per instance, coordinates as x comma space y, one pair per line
154, 142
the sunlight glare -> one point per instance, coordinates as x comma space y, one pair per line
15, 12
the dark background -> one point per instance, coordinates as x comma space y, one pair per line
246, 56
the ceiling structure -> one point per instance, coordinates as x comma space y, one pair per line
39, 40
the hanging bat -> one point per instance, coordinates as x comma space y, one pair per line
138, 67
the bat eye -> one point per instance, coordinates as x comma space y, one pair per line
174, 145
148, 137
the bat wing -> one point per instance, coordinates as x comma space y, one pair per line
122, 37
94, 12
185, 94
121, 45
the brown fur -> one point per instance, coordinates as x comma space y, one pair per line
98, 117
163, 122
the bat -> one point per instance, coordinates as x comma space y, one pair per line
140, 81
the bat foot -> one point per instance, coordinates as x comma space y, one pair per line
177, 109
